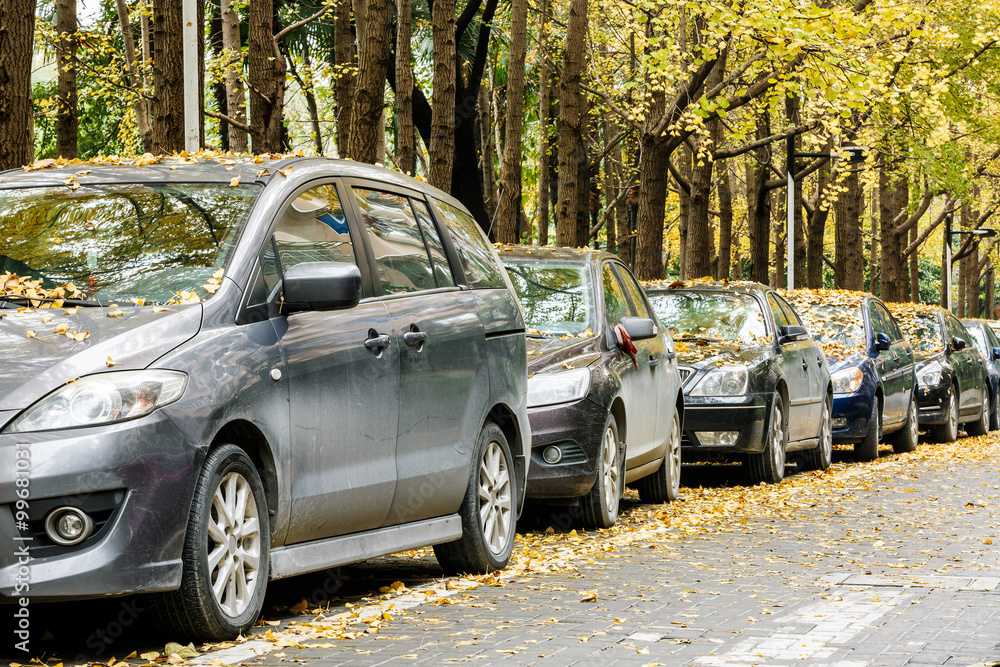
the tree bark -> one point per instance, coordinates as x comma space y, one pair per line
989, 279
168, 77
406, 146
816, 230
140, 105
760, 212
849, 269
345, 69
509, 207
571, 124
779, 238
725, 196
235, 94
17, 38
914, 269
67, 121
652, 202
369, 92
485, 141
442, 148
267, 79
544, 105
893, 198
684, 211
219, 88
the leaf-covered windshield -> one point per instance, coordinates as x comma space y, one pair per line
834, 324
153, 243
717, 316
922, 330
556, 296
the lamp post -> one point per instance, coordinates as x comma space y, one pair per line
192, 128
948, 233
855, 155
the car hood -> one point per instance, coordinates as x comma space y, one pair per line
37, 359
924, 359
700, 355
546, 352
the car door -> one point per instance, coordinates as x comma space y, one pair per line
794, 364
814, 357
887, 364
967, 367
342, 369
444, 379
653, 358
905, 368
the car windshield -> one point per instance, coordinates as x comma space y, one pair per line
151, 243
722, 316
556, 296
923, 331
979, 337
832, 324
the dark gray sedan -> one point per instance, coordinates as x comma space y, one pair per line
219, 372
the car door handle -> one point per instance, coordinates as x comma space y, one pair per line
671, 356
653, 361
378, 342
412, 338
805, 365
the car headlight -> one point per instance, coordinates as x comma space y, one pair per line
930, 375
102, 399
725, 381
846, 380
559, 387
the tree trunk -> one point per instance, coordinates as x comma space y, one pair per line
816, 230
893, 198
611, 186
760, 212
485, 140
267, 80
849, 268
583, 196
684, 211
652, 203
236, 102
544, 103
697, 251
725, 196
345, 69
140, 105
972, 284
509, 207
990, 295
571, 124
779, 237
369, 92
406, 147
67, 121
442, 147
914, 269
219, 87
17, 38
168, 77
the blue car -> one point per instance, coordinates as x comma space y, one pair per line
871, 365
986, 341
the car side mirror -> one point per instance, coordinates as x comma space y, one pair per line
957, 343
638, 328
321, 286
881, 342
996, 353
789, 333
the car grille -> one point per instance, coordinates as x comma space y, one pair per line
571, 453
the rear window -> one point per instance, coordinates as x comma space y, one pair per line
479, 261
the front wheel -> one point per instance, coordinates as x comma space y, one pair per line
905, 439
821, 457
948, 431
600, 505
487, 511
769, 465
226, 554
982, 425
867, 449
994, 414
664, 485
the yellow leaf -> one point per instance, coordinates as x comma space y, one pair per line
235, 182
110, 362
30, 333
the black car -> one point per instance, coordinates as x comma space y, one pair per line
953, 382
604, 397
988, 345
756, 385
871, 365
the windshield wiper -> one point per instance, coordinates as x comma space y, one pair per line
538, 335
704, 338
20, 298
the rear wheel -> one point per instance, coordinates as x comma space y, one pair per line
487, 511
948, 431
867, 449
664, 484
769, 465
821, 457
905, 439
600, 506
982, 425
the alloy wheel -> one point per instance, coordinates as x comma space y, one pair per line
234, 544
827, 435
611, 472
778, 436
913, 425
674, 455
495, 517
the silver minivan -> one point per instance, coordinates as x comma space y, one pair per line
220, 371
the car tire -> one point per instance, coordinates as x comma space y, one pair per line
488, 510
905, 439
769, 465
600, 506
982, 425
220, 601
948, 431
867, 449
994, 414
664, 484
821, 457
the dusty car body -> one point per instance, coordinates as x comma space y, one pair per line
988, 344
756, 385
298, 362
601, 417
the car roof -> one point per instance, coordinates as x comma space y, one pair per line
704, 284
529, 252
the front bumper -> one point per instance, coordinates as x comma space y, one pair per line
142, 471
932, 406
745, 415
576, 428
856, 409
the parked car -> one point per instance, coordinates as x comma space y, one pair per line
223, 371
988, 344
756, 385
871, 366
604, 395
952, 380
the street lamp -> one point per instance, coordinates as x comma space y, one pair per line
855, 155
948, 233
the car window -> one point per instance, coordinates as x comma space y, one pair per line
313, 228
638, 308
482, 269
955, 328
891, 324
879, 323
721, 316
615, 304
790, 314
442, 270
401, 258
557, 297
991, 337
779, 315
979, 338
